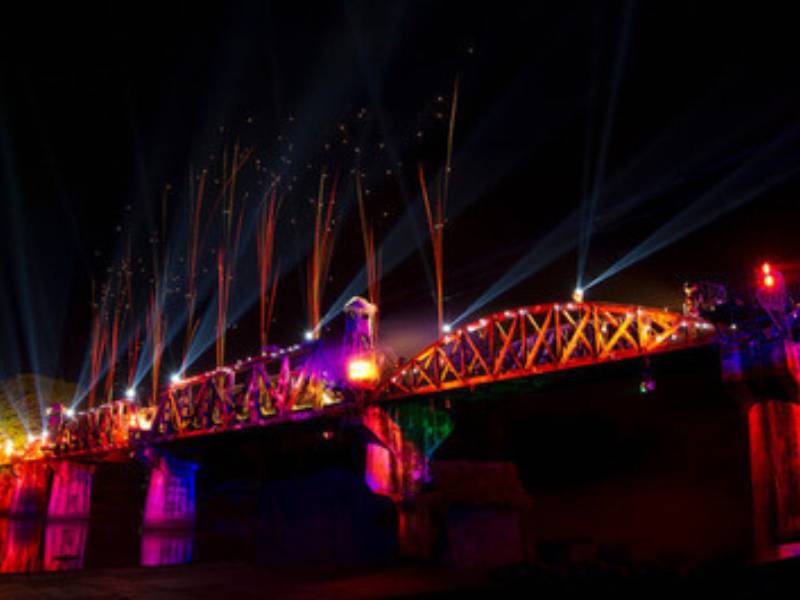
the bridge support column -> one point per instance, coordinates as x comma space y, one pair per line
398, 467
775, 476
71, 492
23, 489
170, 501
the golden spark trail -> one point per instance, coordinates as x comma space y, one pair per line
229, 248
112, 355
373, 259
265, 238
133, 344
133, 356
222, 308
435, 218
435, 213
98, 342
228, 180
450, 136
321, 252
156, 329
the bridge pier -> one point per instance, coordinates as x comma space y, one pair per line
170, 501
23, 489
71, 491
398, 467
775, 473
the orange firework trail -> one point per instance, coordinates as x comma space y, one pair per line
373, 266
134, 345
227, 192
321, 253
99, 336
435, 217
222, 304
112, 354
195, 213
228, 251
450, 136
266, 246
156, 329
122, 297
435, 212
133, 356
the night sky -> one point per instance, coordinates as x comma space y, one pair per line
655, 107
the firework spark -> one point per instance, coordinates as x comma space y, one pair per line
98, 343
373, 258
134, 348
321, 252
266, 246
435, 218
156, 329
435, 211
112, 353
229, 247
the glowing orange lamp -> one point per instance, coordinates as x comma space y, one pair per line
362, 370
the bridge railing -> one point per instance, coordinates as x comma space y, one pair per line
251, 393
106, 427
268, 388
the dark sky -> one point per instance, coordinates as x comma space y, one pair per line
663, 106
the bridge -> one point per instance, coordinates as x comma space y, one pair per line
317, 381
308, 381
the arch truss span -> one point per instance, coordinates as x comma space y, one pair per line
537, 339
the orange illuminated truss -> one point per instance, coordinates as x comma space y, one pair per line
543, 338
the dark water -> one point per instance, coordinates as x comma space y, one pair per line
34, 545
324, 516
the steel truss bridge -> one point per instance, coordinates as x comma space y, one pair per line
291, 385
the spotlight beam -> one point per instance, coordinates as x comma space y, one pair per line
589, 206
721, 199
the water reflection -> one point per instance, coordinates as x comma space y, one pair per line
167, 547
65, 545
20, 544
31, 545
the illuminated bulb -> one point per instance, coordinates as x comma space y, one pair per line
362, 370
70, 412
769, 281
309, 335
130, 393
31, 438
9, 447
577, 295
176, 378
447, 328
766, 268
